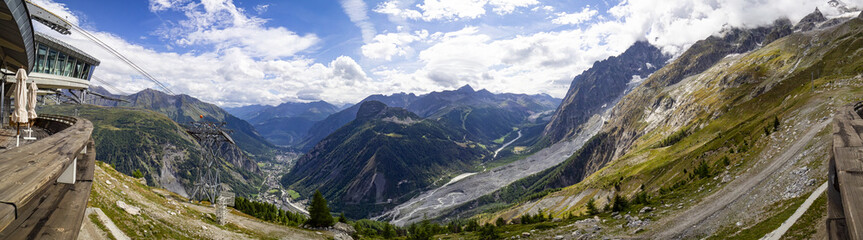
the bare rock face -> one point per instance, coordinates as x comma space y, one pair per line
128, 208
601, 85
810, 21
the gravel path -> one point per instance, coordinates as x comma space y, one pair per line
685, 223
777, 234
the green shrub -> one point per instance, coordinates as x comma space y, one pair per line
591, 207
702, 170
137, 173
673, 138
620, 204
488, 232
641, 198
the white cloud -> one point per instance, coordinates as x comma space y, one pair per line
575, 18
397, 11
241, 61
229, 74
161, 5
59, 9
546, 62
452, 9
503, 7
222, 24
385, 46
356, 11
449, 10
262, 8
674, 25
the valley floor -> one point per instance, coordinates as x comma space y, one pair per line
436, 202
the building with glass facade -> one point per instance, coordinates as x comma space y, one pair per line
53, 65
59, 65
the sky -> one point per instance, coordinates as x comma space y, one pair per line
236, 53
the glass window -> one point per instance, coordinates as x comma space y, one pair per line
61, 64
51, 61
79, 68
86, 73
70, 65
41, 54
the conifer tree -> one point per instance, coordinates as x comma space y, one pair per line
319, 211
342, 218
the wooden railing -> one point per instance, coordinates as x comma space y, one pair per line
44, 185
845, 191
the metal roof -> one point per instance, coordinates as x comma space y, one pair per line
65, 47
16, 34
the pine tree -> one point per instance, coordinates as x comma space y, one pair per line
591, 207
342, 218
489, 232
389, 231
320, 212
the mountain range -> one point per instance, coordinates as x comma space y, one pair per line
285, 124
387, 154
725, 141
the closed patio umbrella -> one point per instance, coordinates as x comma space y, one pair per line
31, 108
31, 100
20, 115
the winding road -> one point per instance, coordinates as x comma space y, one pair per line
506, 144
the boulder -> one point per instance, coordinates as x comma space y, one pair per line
128, 208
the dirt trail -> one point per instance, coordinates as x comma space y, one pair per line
685, 223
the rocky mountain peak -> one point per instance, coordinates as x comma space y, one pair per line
810, 21
370, 109
602, 84
465, 89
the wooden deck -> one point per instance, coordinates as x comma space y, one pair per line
33, 204
845, 192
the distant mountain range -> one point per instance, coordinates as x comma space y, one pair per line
384, 154
497, 113
287, 123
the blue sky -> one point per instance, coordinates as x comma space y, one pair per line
235, 53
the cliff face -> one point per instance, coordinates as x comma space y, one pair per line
146, 141
601, 86
251, 146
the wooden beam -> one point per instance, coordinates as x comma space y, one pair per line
5, 17
11, 46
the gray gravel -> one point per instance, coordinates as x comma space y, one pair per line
436, 202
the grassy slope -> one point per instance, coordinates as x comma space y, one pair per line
167, 216
740, 125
